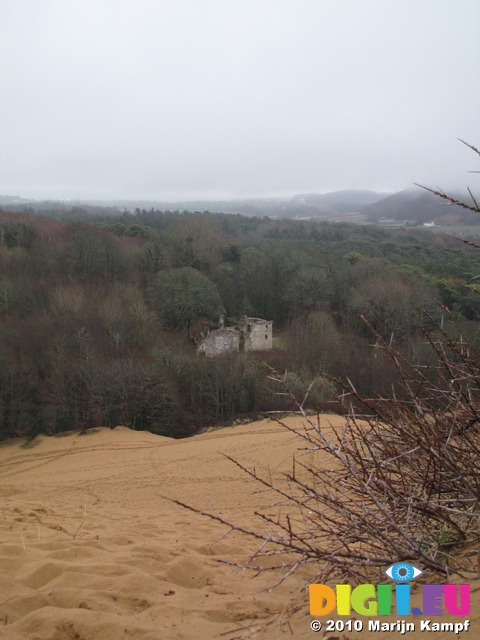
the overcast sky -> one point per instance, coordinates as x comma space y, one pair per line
183, 99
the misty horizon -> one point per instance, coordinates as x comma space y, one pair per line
201, 197
182, 101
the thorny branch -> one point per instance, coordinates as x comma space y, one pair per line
399, 481
403, 481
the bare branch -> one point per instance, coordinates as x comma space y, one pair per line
450, 199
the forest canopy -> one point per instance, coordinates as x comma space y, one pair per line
100, 318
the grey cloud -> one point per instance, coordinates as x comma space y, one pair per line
144, 98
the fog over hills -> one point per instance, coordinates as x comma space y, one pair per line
314, 205
417, 206
413, 206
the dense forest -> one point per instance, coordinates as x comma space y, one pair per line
100, 318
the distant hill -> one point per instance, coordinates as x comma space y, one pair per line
311, 205
340, 200
314, 205
417, 206
413, 206
331, 205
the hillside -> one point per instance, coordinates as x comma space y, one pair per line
307, 205
416, 206
91, 547
412, 206
100, 319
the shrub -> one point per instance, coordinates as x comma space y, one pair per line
404, 479
403, 482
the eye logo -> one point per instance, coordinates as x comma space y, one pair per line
403, 572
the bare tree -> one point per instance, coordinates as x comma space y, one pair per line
399, 481
404, 478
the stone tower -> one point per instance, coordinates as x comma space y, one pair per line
255, 334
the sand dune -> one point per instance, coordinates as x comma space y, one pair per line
92, 550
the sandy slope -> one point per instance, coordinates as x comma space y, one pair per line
91, 550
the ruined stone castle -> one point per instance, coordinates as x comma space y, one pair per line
250, 334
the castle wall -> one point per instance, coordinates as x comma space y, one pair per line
220, 341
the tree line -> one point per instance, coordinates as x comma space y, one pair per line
100, 318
